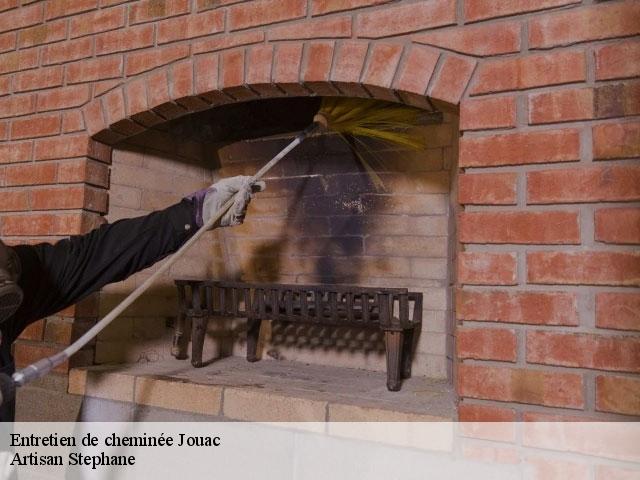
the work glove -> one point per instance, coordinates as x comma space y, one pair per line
209, 200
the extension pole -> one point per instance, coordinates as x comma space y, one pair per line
44, 366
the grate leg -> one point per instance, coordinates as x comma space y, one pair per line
394, 341
198, 332
180, 337
253, 335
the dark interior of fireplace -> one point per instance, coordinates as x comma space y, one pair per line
321, 221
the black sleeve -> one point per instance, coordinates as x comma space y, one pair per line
59, 275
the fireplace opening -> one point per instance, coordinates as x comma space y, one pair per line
324, 219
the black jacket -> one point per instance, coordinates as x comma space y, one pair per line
59, 275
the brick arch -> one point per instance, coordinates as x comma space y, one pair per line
407, 73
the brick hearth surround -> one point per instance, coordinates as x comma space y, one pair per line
547, 304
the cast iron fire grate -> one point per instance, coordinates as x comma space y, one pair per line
395, 311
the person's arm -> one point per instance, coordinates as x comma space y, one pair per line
56, 276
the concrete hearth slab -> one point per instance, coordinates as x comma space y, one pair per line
234, 389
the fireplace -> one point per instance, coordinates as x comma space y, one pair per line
322, 220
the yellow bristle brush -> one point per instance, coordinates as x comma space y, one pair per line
354, 118
349, 117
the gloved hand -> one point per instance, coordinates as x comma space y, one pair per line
209, 200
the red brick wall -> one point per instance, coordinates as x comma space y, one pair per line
549, 102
